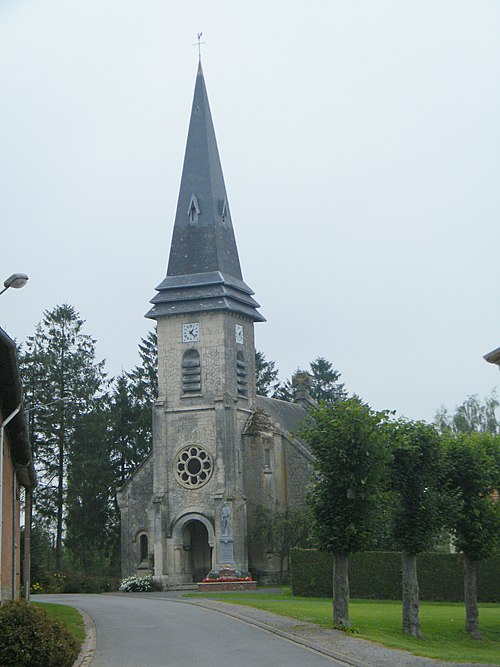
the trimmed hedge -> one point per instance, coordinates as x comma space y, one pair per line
377, 575
29, 637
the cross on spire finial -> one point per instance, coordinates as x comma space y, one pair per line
198, 44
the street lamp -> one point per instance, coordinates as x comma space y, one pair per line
16, 280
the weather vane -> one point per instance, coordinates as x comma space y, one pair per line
199, 43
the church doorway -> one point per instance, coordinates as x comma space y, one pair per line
198, 550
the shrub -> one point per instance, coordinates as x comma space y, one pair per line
74, 583
140, 585
84, 583
377, 574
29, 637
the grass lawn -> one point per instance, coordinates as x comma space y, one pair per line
70, 616
380, 621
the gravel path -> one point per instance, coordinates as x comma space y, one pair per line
336, 644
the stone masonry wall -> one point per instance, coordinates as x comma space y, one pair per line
135, 504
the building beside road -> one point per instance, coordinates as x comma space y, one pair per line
16, 471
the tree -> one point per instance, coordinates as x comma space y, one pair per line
128, 434
416, 476
473, 474
143, 385
266, 375
285, 391
347, 441
472, 415
90, 520
324, 383
60, 370
281, 530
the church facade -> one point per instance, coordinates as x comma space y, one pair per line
219, 450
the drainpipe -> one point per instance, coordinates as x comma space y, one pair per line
28, 499
2, 431
15, 518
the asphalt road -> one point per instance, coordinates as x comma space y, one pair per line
147, 632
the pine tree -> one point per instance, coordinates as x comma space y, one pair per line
143, 386
266, 375
62, 381
90, 519
325, 385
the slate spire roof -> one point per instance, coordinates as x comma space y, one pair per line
203, 271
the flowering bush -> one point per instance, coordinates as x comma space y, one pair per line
224, 580
139, 585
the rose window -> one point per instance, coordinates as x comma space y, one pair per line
193, 467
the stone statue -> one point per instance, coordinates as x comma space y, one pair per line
226, 520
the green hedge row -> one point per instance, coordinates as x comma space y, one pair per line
377, 574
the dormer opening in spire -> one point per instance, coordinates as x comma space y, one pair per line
224, 210
194, 209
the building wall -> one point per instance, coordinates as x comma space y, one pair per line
134, 500
11, 510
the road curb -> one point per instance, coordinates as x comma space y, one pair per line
87, 651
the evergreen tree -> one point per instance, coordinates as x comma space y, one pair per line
325, 385
266, 375
143, 386
128, 446
91, 523
62, 382
285, 390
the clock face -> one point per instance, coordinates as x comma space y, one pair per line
190, 332
238, 332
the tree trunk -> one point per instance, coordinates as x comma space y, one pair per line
340, 591
411, 602
60, 502
470, 597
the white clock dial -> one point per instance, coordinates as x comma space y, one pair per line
190, 332
238, 332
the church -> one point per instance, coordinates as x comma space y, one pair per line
219, 450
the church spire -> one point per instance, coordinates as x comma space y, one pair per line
203, 269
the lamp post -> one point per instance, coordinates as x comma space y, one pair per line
16, 280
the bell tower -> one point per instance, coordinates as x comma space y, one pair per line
206, 371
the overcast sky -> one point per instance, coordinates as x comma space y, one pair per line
360, 146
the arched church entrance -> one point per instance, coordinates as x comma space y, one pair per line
197, 550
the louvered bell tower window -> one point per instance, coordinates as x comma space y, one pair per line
241, 375
191, 373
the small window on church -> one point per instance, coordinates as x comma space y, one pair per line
191, 373
267, 458
143, 548
241, 375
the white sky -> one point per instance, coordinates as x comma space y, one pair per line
360, 147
